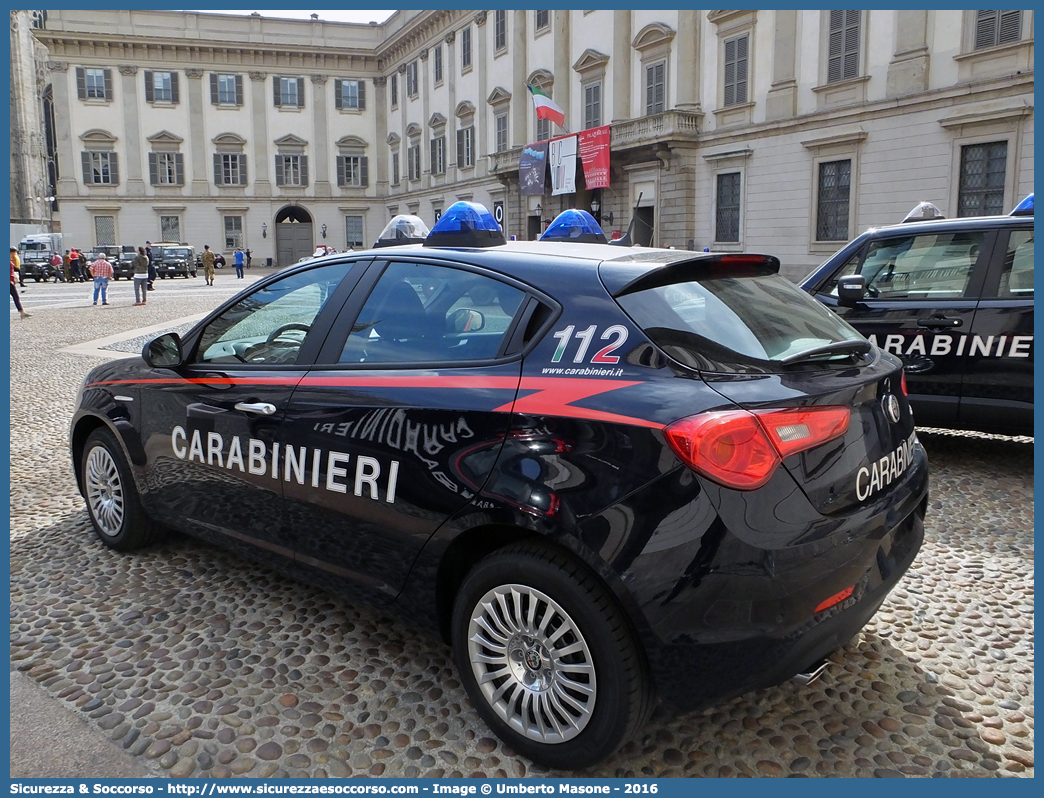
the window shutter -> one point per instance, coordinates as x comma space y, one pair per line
114, 169
275, 91
1010, 27
239, 89
364, 171
338, 94
730, 72
985, 29
341, 178
81, 83
150, 88
460, 148
362, 95
279, 170
153, 169
431, 148
179, 168
300, 92
174, 87
108, 84
741, 68
304, 170
85, 161
213, 88
242, 170
217, 169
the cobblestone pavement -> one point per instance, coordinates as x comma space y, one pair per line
201, 664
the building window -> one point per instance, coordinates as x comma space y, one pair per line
350, 94
394, 91
100, 169
226, 89
736, 59
170, 228
593, 105
437, 64
105, 230
543, 132
981, 191
465, 49
161, 87
288, 92
499, 30
353, 171
502, 132
93, 84
413, 161
835, 183
167, 169
727, 208
230, 169
843, 57
466, 147
353, 232
438, 155
997, 27
543, 19
291, 170
655, 88
233, 233
411, 79
395, 169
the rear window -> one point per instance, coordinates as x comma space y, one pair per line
746, 322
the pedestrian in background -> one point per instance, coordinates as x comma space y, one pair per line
239, 262
15, 265
208, 264
248, 258
67, 266
56, 264
152, 266
101, 269
141, 277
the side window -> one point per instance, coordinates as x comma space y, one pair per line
425, 313
269, 326
929, 266
1017, 280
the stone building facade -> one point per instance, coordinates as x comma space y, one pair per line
786, 132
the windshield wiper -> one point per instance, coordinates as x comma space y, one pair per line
828, 350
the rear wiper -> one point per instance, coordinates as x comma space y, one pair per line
828, 350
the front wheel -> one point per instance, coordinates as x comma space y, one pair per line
547, 657
112, 499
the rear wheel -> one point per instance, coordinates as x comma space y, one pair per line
547, 658
112, 500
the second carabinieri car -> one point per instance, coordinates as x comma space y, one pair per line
602, 474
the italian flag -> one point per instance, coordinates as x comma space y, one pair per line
546, 108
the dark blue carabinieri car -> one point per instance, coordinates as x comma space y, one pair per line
602, 474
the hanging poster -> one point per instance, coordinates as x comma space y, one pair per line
594, 155
531, 168
561, 155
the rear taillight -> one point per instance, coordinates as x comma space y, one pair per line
902, 382
741, 449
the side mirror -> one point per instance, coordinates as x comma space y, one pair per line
467, 320
163, 352
851, 289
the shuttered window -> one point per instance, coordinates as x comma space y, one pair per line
230, 169
291, 170
465, 48
655, 88
843, 55
350, 94
166, 169
592, 106
981, 190
93, 84
353, 171
499, 30
997, 27
288, 92
436, 58
466, 147
438, 155
411, 79
736, 60
394, 90
395, 169
161, 87
100, 168
226, 89
501, 127
413, 161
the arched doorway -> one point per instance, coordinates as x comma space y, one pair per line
294, 235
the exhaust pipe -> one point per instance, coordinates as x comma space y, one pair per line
810, 674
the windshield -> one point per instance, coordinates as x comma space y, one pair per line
750, 322
176, 252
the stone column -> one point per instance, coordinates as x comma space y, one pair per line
688, 60
68, 155
260, 96
132, 129
202, 165
519, 93
452, 123
379, 152
621, 65
422, 88
781, 101
482, 115
908, 70
563, 65
321, 147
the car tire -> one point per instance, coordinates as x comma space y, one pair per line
578, 707
113, 503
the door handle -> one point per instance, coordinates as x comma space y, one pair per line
939, 323
261, 408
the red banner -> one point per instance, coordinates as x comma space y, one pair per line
594, 155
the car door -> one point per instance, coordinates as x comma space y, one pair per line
213, 464
997, 392
922, 289
399, 424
